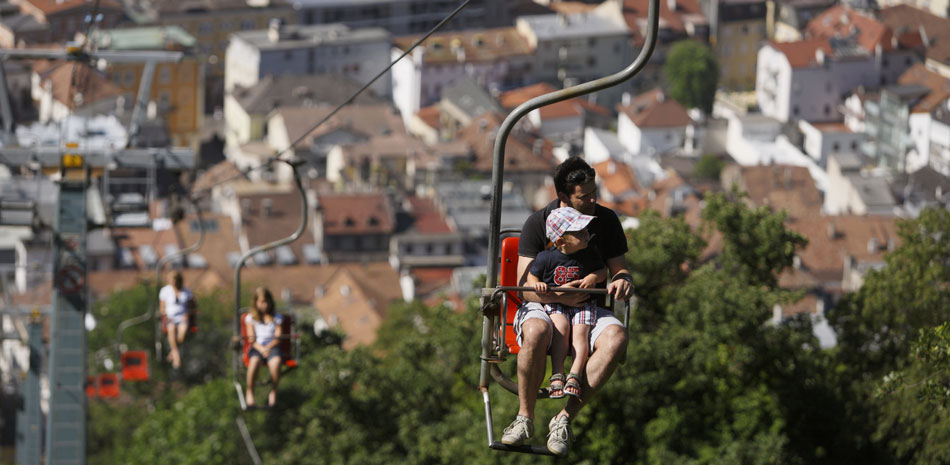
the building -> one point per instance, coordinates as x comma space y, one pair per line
561, 121
332, 48
737, 28
918, 27
899, 122
652, 123
211, 23
354, 227
854, 191
50, 21
496, 59
177, 88
786, 19
246, 108
403, 17
823, 139
679, 20
56, 96
573, 48
940, 8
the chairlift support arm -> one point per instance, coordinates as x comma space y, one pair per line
237, 277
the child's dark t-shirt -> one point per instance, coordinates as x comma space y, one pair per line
556, 268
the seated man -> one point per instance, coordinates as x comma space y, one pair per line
574, 182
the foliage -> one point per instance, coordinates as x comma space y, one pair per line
708, 167
692, 72
707, 378
756, 244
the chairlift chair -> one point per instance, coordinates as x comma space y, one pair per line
289, 345
499, 301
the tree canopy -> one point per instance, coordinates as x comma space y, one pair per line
692, 72
708, 378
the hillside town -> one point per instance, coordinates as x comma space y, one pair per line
835, 112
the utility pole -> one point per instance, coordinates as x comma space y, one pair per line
66, 421
29, 428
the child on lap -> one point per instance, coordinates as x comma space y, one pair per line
569, 260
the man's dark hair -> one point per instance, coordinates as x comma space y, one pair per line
572, 173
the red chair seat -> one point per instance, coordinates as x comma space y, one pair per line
508, 276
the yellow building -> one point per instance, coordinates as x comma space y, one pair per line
177, 88
212, 26
739, 33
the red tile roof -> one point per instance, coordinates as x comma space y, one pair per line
430, 115
801, 54
571, 107
907, 22
654, 109
427, 218
520, 153
842, 21
356, 213
635, 14
939, 87
66, 83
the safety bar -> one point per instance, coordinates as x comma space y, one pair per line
236, 360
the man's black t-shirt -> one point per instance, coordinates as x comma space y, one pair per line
609, 239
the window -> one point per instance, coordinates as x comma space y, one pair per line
835, 147
592, 42
205, 28
288, 55
129, 77
827, 109
591, 61
165, 74
247, 24
795, 110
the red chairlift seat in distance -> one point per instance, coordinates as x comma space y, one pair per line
134, 365
91, 389
108, 385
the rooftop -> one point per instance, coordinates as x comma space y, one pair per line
580, 25
299, 90
297, 37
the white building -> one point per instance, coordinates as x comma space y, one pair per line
652, 123
402, 17
573, 48
357, 54
851, 190
497, 59
805, 79
824, 139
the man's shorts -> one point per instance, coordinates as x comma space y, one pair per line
531, 310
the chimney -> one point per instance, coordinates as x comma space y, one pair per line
832, 231
820, 57
671, 4
626, 98
266, 205
273, 30
872, 245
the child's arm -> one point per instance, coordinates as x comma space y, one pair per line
592, 279
539, 286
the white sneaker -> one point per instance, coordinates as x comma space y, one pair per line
560, 435
518, 431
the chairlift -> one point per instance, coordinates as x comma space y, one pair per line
108, 385
135, 363
290, 345
499, 299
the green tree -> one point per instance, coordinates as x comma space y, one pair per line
708, 167
692, 72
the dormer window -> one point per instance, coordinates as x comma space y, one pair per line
349, 222
373, 221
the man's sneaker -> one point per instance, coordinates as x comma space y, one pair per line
518, 431
560, 435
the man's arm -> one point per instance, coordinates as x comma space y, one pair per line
621, 283
568, 298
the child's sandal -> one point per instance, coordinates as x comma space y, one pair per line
573, 387
556, 388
